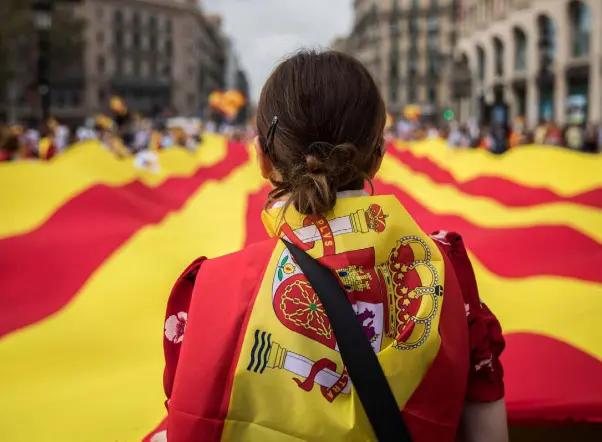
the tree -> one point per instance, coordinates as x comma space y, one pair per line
18, 47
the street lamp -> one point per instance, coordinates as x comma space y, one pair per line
43, 22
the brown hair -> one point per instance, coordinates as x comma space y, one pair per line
329, 130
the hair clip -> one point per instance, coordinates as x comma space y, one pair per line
269, 140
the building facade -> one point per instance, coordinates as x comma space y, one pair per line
407, 45
157, 55
537, 59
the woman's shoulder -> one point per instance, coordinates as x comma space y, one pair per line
252, 256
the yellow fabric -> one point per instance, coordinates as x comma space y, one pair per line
254, 415
92, 372
561, 170
79, 168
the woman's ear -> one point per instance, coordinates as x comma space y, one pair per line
265, 164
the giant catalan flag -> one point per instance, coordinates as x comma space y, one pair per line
90, 246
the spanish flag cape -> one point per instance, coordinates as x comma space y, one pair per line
250, 354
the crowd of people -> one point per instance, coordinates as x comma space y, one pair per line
123, 132
126, 134
501, 138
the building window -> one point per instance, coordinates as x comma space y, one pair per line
119, 39
100, 38
100, 13
393, 95
136, 40
488, 13
169, 25
432, 64
102, 95
101, 64
119, 66
169, 48
432, 96
153, 69
136, 20
481, 63
580, 16
153, 42
547, 41
137, 69
498, 49
411, 94
118, 17
520, 48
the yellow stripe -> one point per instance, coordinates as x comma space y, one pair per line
30, 192
93, 371
561, 170
448, 200
565, 309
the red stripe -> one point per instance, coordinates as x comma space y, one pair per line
43, 269
550, 380
515, 252
505, 191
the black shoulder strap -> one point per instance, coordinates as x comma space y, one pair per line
358, 356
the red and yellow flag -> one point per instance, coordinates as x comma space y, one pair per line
90, 247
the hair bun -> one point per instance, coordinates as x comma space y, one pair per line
316, 165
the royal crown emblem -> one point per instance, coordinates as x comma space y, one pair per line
413, 289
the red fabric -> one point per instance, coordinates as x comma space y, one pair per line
179, 301
100, 219
200, 396
485, 381
433, 411
550, 380
516, 252
500, 189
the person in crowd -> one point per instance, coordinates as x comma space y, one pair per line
125, 125
541, 132
554, 135
590, 139
499, 139
47, 147
454, 138
9, 145
574, 137
276, 362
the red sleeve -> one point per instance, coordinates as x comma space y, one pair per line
175, 323
486, 375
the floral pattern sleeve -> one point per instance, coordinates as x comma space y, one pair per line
486, 342
175, 323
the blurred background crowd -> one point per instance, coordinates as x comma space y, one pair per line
492, 74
